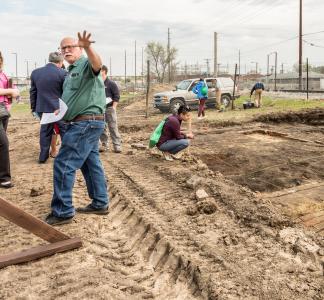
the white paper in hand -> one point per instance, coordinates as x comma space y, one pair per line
51, 117
108, 100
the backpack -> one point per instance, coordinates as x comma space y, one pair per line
156, 134
204, 90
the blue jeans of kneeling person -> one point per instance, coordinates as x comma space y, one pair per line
79, 150
174, 146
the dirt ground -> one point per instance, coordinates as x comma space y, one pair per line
240, 216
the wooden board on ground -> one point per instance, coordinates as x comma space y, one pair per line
59, 242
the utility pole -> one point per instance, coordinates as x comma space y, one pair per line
307, 74
35, 65
125, 73
110, 67
169, 60
148, 80
218, 68
135, 69
27, 70
268, 60
185, 70
15, 53
282, 68
276, 63
207, 64
256, 66
239, 63
215, 55
142, 67
300, 43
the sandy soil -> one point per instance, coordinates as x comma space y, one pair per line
254, 232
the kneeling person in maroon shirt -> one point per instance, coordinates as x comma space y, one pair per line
172, 140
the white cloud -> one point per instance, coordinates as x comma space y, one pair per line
34, 28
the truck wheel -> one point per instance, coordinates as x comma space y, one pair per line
175, 104
226, 100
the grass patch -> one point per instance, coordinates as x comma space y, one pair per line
20, 108
268, 105
24, 93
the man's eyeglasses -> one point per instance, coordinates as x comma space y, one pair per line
68, 47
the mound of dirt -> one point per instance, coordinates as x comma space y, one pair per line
309, 116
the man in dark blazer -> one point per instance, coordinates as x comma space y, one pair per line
46, 89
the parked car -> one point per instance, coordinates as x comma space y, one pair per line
169, 101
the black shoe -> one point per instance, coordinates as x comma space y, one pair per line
52, 220
7, 185
103, 148
89, 209
41, 161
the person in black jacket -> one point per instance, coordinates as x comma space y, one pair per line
112, 99
46, 89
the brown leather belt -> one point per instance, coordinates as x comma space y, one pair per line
88, 118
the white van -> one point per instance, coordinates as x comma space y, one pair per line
183, 94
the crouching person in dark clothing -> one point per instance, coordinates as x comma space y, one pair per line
172, 139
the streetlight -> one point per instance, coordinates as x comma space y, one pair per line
15, 53
276, 62
27, 70
256, 66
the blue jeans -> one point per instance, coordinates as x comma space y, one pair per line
79, 150
174, 146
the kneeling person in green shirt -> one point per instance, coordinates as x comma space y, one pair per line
84, 94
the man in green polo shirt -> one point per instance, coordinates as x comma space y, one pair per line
84, 94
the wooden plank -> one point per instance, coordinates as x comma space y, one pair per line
25, 220
39, 252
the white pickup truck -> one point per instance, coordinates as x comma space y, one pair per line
169, 101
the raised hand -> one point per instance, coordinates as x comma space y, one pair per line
84, 40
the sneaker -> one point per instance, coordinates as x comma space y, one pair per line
89, 209
167, 156
177, 156
117, 150
53, 220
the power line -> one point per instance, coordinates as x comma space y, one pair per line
250, 15
312, 44
317, 32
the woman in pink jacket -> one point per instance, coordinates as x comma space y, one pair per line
7, 93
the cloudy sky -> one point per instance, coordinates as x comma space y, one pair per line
34, 28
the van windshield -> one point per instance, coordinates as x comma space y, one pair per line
183, 85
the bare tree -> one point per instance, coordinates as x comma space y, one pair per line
159, 58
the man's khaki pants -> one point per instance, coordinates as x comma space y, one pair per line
258, 97
218, 98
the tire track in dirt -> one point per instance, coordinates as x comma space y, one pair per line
120, 260
213, 245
